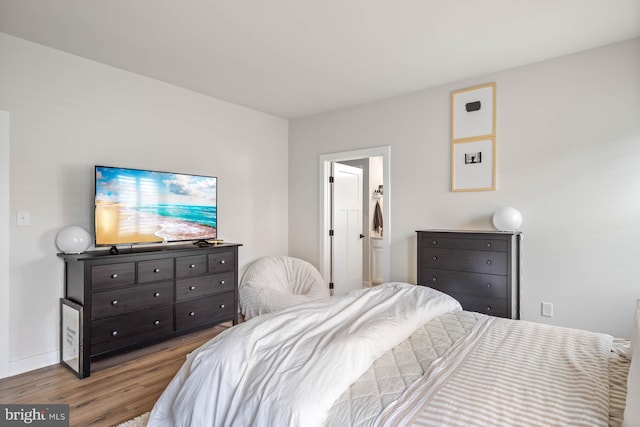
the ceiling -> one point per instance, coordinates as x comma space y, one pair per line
293, 58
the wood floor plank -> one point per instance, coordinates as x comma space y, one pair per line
119, 388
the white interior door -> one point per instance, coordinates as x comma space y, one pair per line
325, 199
346, 256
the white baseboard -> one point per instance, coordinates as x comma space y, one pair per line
34, 362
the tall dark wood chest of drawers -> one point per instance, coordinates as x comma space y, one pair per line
480, 269
144, 296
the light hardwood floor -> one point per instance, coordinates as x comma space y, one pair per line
119, 388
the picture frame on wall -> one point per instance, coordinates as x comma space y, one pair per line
473, 165
473, 112
71, 337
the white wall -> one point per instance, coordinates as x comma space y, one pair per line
568, 153
68, 114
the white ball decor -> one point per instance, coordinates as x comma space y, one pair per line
507, 219
73, 239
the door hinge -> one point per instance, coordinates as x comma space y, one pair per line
330, 180
330, 233
331, 285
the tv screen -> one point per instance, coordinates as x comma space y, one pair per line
144, 206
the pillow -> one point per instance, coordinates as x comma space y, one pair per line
632, 410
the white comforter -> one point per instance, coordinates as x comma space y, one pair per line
287, 368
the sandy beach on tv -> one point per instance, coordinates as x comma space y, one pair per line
116, 223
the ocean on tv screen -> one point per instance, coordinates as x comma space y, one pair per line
140, 206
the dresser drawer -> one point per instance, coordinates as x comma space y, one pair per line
204, 285
113, 275
191, 266
492, 306
484, 285
221, 262
476, 244
127, 300
155, 270
464, 260
199, 312
481, 269
128, 329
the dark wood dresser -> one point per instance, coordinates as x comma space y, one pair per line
144, 296
481, 269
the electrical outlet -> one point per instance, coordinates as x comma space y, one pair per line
547, 309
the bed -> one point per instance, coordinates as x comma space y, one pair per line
396, 355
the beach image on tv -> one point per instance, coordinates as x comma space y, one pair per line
139, 206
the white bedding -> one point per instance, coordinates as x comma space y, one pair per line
287, 368
398, 368
507, 373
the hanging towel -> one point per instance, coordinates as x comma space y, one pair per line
377, 218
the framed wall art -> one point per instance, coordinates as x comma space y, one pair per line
473, 165
473, 112
71, 337
473, 138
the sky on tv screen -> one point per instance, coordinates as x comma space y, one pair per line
138, 187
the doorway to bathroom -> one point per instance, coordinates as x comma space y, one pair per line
355, 218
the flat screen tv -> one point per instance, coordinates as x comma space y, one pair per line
135, 206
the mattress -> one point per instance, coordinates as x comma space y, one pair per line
392, 373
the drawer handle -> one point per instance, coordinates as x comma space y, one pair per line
488, 262
488, 245
435, 242
222, 261
193, 313
114, 302
222, 282
157, 294
114, 276
191, 288
156, 270
114, 333
192, 266
157, 322
488, 285
435, 258
434, 279
221, 305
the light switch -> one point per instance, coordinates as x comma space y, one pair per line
22, 218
